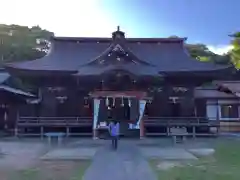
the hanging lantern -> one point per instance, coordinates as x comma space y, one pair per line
85, 103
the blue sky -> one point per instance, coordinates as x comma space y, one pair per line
202, 21
208, 21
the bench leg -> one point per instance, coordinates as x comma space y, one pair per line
59, 141
174, 139
68, 131
16, 131
168, 131
184, 138
49, 140
194, 132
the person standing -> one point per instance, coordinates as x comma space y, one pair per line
114, 132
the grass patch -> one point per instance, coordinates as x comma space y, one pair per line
51, 170
27, 174
81, 170
223, 165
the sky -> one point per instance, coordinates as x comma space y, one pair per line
202, 21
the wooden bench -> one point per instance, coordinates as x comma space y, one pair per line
58, 135
178, 134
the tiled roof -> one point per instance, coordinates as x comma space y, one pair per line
3, 77
232, 86
153, 56
64, 57
15, 91
209, 93
170, 57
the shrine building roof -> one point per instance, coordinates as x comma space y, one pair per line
90, 56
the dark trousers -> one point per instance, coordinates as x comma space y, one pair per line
114, 142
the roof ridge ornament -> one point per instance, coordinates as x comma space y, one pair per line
118, 34
118, 48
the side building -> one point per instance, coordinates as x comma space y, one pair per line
148, 84
11, 99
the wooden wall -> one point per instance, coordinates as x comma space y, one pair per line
229, 126
75, 105
163, 104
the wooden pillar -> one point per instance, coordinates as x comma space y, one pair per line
42, 132
194, 131
95, 133
218, 119
16, 125
142, 129
16, 131
68, 131
168, 130
196, 116
5, 116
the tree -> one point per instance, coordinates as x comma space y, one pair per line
198, 50
235, 52
173, 36
18, 43
202, 53
203, 58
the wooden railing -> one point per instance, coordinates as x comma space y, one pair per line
54, 121
179, 121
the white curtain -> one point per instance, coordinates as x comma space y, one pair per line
212, 111
142, 104
96, 111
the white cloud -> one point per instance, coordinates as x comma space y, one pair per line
64, 17
221, 49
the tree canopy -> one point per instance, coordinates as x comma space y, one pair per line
235, 52
22, 43
202, 53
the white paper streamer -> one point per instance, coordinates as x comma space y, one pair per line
107, 101
113, 101
122, 102
129, 102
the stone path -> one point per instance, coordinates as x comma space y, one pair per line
167, 153
20, 155
126, 163
70, 154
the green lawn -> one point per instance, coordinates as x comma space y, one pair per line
224, 165
51, 170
